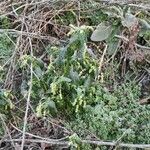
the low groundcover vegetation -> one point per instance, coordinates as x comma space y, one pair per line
74, 75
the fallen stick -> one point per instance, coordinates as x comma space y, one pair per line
98, 143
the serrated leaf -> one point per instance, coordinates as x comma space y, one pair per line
101, 33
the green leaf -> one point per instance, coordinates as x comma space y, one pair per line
74, 140
38, 71
74, 75
144, 24
101, 33
63, 79
82, 51
46, 108
87, 82
61, 56
5, 101
112, 41
23, 88
112, 46
129, 20
50, 104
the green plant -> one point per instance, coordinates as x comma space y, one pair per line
78, 80
69, 17
5, 48
5, 101
113, 114
67, 79
121, 18
5, 22
75, 141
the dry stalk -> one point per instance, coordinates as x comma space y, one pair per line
28, 99
101, 60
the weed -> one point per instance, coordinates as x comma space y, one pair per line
5, 48
6, 101
113, 114
5, 23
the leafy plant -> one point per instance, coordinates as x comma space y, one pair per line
66, 81
75, 141
123, 19
5, 101
5, 48
5, 22
113, 114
